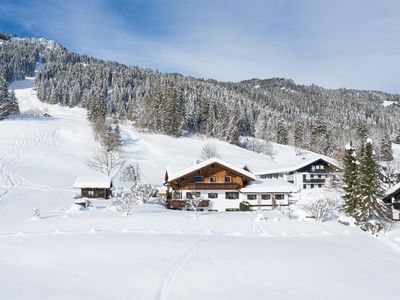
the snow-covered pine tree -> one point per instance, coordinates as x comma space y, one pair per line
111, 138
282, 132
350, 180
371, 212
320, 137
386, 148
8, 101
97, 107
298, 135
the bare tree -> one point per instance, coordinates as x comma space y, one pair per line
322, 208
131, 173
209, 151
106, 162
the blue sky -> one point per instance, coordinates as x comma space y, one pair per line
337, 43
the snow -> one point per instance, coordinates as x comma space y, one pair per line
100, 182
270, 186
208, 162
392, 189
387, 103
155, 253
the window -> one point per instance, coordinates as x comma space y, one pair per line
213, 179
231, 195
265, 196
320, 185
312, 186
279, 196
90, 193
319, 176
192, 195
304, 186
304, 177
251, 197
228, 178
212, 195
198, 178
311, 176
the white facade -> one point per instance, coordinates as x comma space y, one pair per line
218, 198
261, 194
260, 200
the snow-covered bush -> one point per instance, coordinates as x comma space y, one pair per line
244, 206
323, 208
124, 202
36, 213
142, 191
139, 193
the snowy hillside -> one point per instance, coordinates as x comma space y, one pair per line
157, 253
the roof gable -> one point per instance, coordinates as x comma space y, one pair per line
100, 182
196, 167
301, 165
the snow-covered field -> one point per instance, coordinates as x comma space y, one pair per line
157, 253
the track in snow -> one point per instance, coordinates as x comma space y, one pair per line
177, 267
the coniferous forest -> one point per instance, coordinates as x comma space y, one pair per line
277, 110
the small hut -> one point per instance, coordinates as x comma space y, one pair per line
94, 187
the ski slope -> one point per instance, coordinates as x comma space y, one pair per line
156, 253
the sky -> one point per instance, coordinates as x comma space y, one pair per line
334, 44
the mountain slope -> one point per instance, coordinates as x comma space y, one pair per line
314, 118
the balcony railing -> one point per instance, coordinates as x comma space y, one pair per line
213, 186
314, 180
182, 203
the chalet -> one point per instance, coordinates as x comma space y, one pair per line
392, 198
94, 187
310, 173
218, 185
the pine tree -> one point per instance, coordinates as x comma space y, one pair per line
98, 107
282, 132
350, 180
370, 211
386, 148
299, 134
8, 101
320, 137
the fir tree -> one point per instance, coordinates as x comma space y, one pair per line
8, 101
350, 180
386, 148
370, 211
282, 132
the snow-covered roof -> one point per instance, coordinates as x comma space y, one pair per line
304, 163
270, 186
100, 182
207, 162
393, 189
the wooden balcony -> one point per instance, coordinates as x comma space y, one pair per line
213, 186
179, 204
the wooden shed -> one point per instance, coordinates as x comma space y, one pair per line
94, 187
